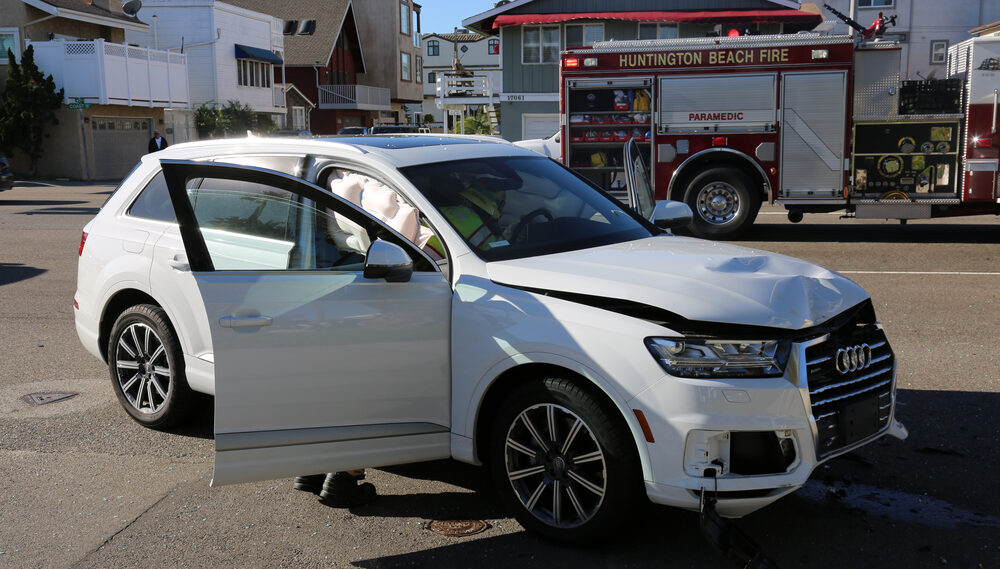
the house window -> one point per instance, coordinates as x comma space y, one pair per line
657, 31
540, 44
9, 39
939, 51
404, 18
432, 77
581, 35
876, 3
404, 66
416, 26
251, 73
420, 69
433, 47
494, 47
299, 118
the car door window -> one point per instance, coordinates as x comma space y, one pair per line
250, 219
639, 180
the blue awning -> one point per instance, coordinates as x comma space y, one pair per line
257, 54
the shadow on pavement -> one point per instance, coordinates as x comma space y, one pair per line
23, 203
656, 537
63, 211
449, 471
15, 272
434, 506
201, 424
926, 501
842, 233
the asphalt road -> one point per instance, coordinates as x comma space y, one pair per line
81, 485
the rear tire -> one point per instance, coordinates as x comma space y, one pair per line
562, 464
147, 368
723, 202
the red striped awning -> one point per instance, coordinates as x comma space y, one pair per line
711, 17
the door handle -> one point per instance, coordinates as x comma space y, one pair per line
245, 321
179, 263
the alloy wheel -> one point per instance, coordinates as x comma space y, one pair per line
555, 465
142, 368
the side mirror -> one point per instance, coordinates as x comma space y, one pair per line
388, 261
668, 214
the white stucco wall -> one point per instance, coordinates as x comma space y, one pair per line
209, 31
923, 21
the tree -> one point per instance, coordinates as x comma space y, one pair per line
234, 118
27, 107
210, 121
241, 117
475, 124
428, 118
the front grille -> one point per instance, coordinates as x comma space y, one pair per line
851, 400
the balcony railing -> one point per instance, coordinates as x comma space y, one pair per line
458, 89
115, 74
359, 97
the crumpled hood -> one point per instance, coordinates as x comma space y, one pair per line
699, 280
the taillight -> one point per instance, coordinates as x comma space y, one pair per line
982, 142
83, 241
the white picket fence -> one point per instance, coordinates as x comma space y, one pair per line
115, 74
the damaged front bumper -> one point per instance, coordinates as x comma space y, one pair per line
748, 442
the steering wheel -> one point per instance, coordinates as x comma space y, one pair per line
520, 230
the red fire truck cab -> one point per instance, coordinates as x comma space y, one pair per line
813, 123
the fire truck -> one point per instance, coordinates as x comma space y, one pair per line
813, 123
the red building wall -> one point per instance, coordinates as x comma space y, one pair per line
342, 69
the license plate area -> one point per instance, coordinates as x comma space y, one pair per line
859, 420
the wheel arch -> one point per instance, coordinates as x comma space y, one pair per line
119, 302
511, 378
711, 157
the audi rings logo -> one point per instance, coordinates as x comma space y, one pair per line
853, 358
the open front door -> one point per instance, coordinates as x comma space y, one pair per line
637, 176
317, 368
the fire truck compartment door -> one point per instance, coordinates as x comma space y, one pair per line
723, 103
813, 130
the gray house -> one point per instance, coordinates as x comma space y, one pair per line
533, 32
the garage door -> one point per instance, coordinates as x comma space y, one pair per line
119, 143
538, 126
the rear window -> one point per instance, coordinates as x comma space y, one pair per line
154, 201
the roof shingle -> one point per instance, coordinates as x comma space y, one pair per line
301, 49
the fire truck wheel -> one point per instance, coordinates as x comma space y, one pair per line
723, 204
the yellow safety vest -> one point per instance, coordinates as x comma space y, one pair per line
469, 225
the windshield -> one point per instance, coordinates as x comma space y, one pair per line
514, 207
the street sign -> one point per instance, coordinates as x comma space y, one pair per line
79, 103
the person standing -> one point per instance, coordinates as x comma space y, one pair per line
157, 142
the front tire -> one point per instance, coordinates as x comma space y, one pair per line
560, 462
147, 367
723, 203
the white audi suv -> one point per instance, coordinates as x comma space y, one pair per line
369, 301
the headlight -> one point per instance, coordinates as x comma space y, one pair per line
700, 357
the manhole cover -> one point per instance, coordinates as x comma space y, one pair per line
46, 397
458, 528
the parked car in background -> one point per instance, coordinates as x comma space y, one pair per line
6, 176
392, 129
369, 301
353, 130
291, 132
549, 146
